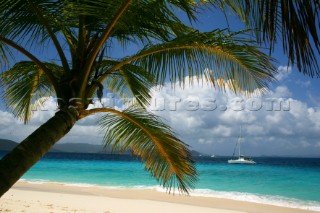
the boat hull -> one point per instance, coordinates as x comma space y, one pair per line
241, 161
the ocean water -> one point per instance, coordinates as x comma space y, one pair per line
291, 182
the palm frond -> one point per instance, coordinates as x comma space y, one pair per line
142, 21
25, 86
5, 55
41, 13
130, 83
167, 158
228, 56
20, 22
294, 23
154, 20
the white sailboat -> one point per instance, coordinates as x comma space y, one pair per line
241, 158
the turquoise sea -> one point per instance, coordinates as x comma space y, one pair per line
292, 182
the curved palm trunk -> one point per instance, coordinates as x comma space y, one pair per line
33, 148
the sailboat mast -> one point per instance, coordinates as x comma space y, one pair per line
240, 140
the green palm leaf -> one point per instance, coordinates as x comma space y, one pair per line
229, 57
152, 20
294, 23
130, 83
26, 88
19, 21
5, 54
167, 158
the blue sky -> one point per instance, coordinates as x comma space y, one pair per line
293, 132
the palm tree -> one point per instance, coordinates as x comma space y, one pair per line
84, 34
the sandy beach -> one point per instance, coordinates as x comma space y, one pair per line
54, 197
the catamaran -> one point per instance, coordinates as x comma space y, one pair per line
241, 158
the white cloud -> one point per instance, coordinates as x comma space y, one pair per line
221, 131
255, 130
281, 126
303, 84
230, 117
283, 72
209, 121
281, 92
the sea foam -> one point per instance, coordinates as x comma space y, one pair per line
239, 196
256, 198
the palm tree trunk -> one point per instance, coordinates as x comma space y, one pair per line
34, 147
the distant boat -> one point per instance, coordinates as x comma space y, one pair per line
212, 156
241, 158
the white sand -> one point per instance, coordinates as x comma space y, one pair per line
49, 197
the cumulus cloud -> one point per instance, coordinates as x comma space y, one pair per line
209, 120
283, 72
280, 92
303, 84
